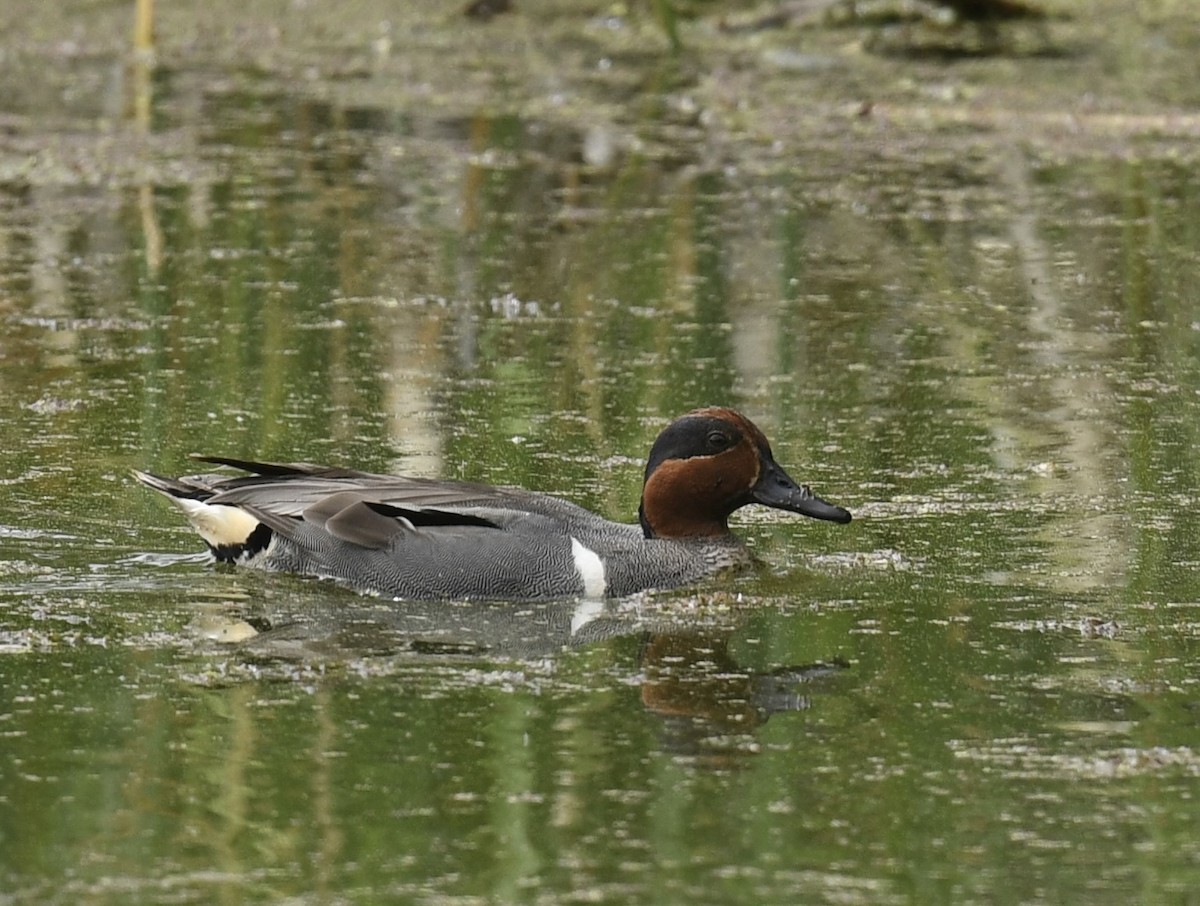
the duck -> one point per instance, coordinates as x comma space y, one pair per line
406, 537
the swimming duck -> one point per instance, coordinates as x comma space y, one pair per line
432, 539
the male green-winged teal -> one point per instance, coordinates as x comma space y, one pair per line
425, 538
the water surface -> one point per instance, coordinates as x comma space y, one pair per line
980, 691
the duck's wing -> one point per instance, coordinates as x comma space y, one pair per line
352, 517
361, 508
289, 489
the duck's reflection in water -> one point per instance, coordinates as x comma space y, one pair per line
710, 705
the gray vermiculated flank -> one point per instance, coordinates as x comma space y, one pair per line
527, 555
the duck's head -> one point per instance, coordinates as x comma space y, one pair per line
710, 462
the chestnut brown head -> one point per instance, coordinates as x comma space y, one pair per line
710, 462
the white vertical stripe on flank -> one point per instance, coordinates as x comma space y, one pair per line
590, 568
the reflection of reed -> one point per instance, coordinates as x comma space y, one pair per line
151, 230
328, 855
231, 784
142, 70
143, 26
1090, 551
234, 809
514, 816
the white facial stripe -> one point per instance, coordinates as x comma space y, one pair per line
590, 568
218, 524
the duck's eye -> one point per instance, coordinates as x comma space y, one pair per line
717, 440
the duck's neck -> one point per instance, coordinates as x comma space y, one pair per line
681, 521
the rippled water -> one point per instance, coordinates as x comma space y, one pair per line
982, 690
